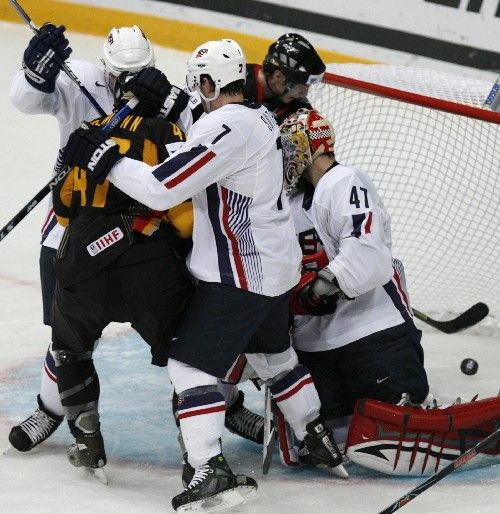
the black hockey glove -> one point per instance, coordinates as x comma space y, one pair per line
44, 57
157, 97
91, 149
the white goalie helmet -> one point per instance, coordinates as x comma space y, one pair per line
305, 135
223, 60
127, 49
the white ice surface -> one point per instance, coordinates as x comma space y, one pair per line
144, 480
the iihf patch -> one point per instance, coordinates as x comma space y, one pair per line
105, 241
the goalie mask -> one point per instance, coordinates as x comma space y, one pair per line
223, 60
305, 135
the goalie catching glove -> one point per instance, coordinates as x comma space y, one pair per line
91, 149
157, 97
316, 294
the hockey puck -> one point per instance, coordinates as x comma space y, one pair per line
469, 366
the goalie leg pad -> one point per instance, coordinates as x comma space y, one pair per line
403, 440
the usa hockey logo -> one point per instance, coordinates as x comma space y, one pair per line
105, 241
201, 52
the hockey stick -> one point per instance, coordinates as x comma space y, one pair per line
269, 432
64, 66
465, 320
110, 125
457, 463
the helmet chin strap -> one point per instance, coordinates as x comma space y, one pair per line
208, 101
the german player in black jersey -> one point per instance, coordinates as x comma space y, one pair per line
118, 261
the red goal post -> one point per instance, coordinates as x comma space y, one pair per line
434, 154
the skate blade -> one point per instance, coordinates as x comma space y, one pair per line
223, 501
339, 471
98, 473
9, 450
248, 492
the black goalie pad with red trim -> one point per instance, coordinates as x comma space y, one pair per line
400, 440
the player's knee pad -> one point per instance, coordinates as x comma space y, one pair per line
269, 366
184, 377
77, 378
405, 440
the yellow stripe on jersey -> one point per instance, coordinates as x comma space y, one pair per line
62, 221
181, 217
150, 153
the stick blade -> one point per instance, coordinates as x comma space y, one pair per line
467, 319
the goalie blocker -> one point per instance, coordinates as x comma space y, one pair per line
403, 440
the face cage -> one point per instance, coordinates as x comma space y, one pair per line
300, 78
296, 158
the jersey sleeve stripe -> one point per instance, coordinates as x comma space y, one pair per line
398, 298
176, 167
48, 227
357, 222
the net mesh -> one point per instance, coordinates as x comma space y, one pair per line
436, 172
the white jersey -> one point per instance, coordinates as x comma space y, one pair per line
231, 167
70, 107
347, 219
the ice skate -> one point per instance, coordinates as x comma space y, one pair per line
319, 449
247, 486
213, 488
35, 429
88, 449
245, 423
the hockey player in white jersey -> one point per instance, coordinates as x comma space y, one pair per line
245, 257
41, 88
353, 326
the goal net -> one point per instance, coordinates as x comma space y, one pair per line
434, 153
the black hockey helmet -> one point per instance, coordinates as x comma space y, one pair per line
296, 58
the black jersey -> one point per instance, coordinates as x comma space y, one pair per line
102, 221
253, 91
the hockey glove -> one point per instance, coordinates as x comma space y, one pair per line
319, 296
45, 56
157, 97
92, 150
304, 301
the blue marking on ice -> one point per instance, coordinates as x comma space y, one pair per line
137, 421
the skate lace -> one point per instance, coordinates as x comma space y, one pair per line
200, 474
38, 425
246, 422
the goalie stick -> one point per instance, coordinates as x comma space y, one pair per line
457, 463
269, 431
467, 319
65, 67
61, 174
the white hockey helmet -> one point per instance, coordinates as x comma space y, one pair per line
223, 60
305, 135
127, 49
